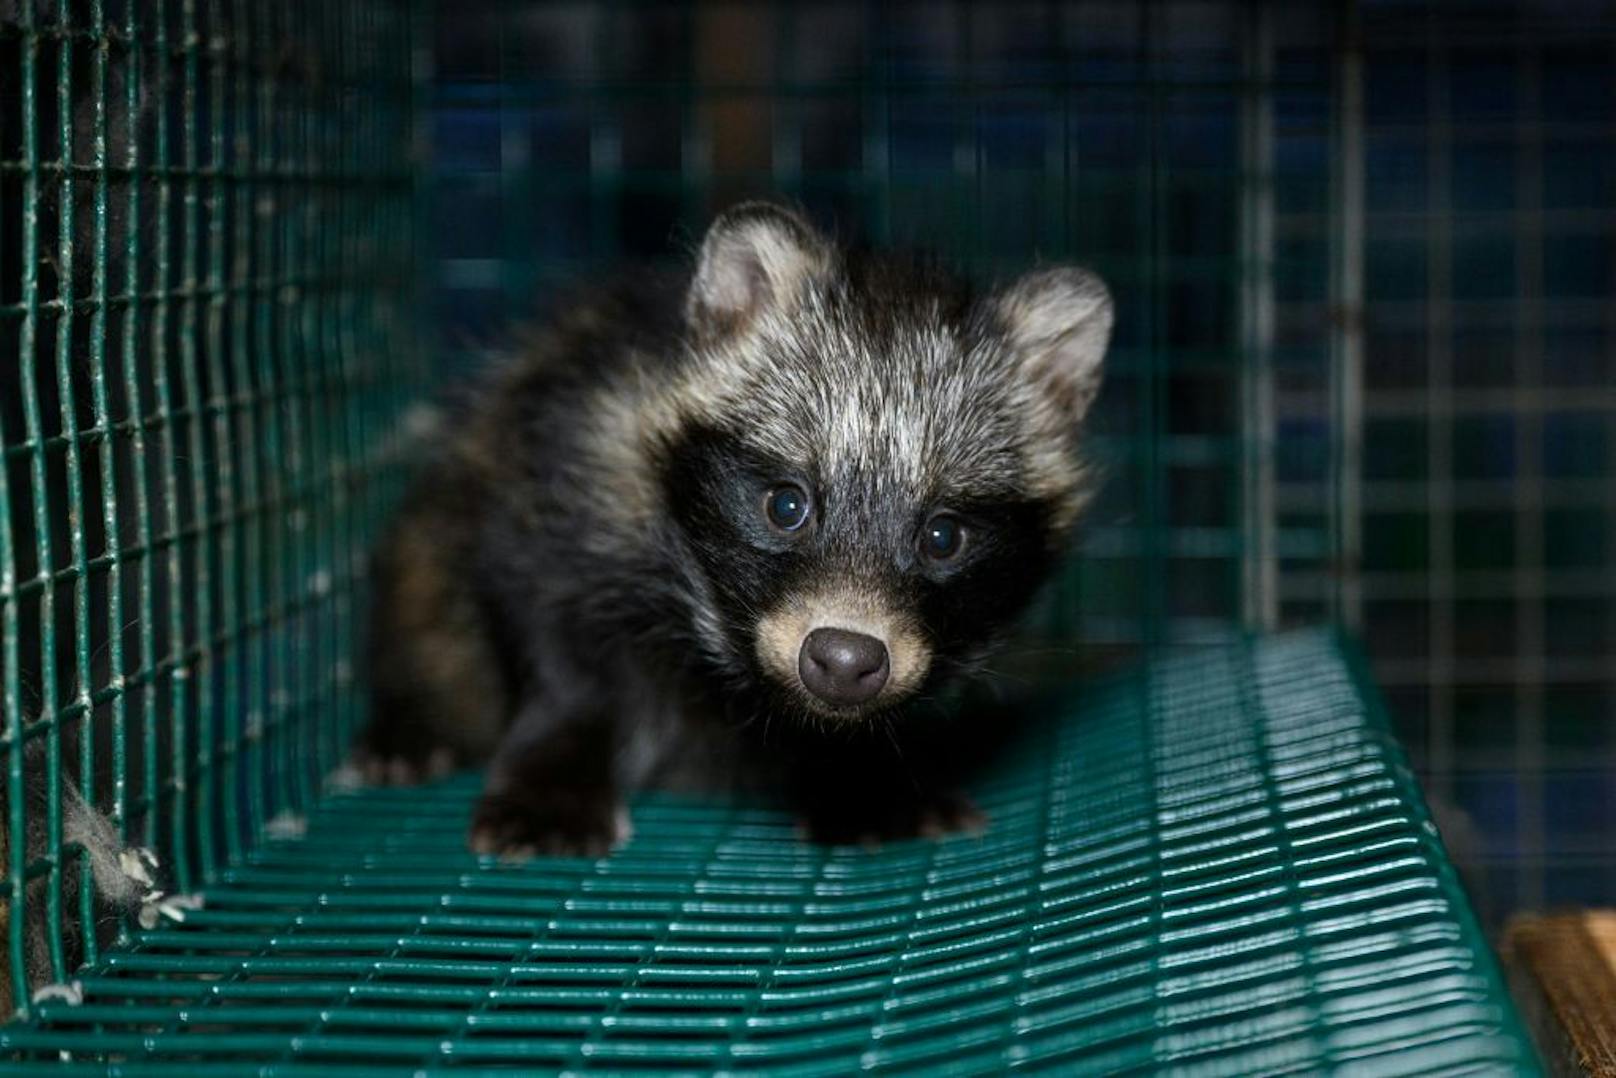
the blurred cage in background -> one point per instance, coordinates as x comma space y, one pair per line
1365, 262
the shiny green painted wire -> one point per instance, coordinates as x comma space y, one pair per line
204, 435
1218, 863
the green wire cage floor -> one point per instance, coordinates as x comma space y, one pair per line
1217, 863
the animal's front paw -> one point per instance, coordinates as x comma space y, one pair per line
375, 769
871, 824
516, 827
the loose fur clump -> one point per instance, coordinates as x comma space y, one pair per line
125, 880
736, 525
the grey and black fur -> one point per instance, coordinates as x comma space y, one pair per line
588, 588
126, 879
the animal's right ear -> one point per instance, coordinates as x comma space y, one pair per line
755, 255
1059, 320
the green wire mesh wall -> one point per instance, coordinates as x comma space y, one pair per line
1363, 255
205, 265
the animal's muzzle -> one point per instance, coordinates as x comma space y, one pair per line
843, 668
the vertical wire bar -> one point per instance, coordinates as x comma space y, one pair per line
366, 368
375, 434
516, 110
166, 291
348, 370
16, 806
413, 118
1062, 152
1153, 419
369, 368
1606, 489
194, 767
965, 205
1066, 617
109, 498
284, 360
274, 329
323, 351
877, 102
11, 714
695, 115
243, 787
50, 697
786, 103
399, 136
1260, 564
336, 359
323, 373
305, 305
268, 341
216, 798
310, 310
1440, 408
134, 257
605, 137
369, 437
1347, 318
394, 276
1528, 525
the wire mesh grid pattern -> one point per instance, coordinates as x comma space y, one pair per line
205, 219
1486, 474
570, 136
1363, 256
1219, 864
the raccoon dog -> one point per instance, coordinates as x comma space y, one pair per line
738, 526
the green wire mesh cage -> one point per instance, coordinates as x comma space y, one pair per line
205, 219
208, 212
1219, 865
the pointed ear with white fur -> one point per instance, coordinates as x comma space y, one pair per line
754, 256
1059, 322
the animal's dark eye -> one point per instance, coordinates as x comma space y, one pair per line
942, 537
787, 507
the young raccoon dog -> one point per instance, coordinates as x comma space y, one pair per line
736, 527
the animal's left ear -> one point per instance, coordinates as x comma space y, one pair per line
1059, 322
755, 256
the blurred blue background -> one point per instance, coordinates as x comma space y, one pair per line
1365, 258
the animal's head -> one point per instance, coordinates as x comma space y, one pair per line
874, 466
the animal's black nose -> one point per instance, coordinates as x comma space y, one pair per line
842, 667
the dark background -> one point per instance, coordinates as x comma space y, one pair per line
1365, 259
